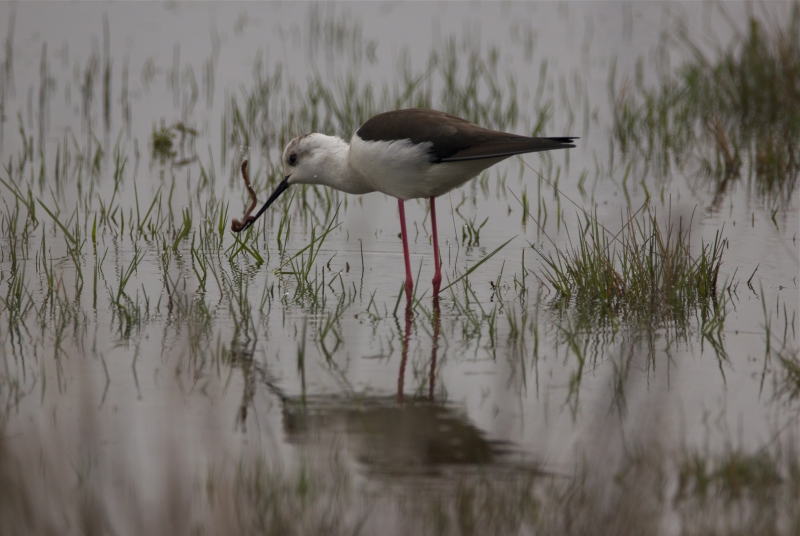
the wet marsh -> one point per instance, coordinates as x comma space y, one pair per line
614, 349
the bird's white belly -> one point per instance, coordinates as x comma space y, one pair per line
404, 170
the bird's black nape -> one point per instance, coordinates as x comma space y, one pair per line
282, 186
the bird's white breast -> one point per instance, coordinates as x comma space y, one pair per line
404, 170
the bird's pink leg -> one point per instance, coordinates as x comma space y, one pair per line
437, 276
409, 280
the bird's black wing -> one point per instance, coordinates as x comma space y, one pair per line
452, 139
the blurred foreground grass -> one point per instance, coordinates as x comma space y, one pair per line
737, 492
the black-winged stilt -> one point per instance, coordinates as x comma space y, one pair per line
407, 154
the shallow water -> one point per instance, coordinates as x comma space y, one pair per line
246, 362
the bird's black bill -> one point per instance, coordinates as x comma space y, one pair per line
282, 186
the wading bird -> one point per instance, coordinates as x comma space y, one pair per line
407, 154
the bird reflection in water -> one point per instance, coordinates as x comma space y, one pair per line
391, 435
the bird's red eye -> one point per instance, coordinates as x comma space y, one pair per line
292, 159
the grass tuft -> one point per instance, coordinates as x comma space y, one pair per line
646, 273
733, 117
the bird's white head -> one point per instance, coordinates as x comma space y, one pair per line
320, 159
313, 158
